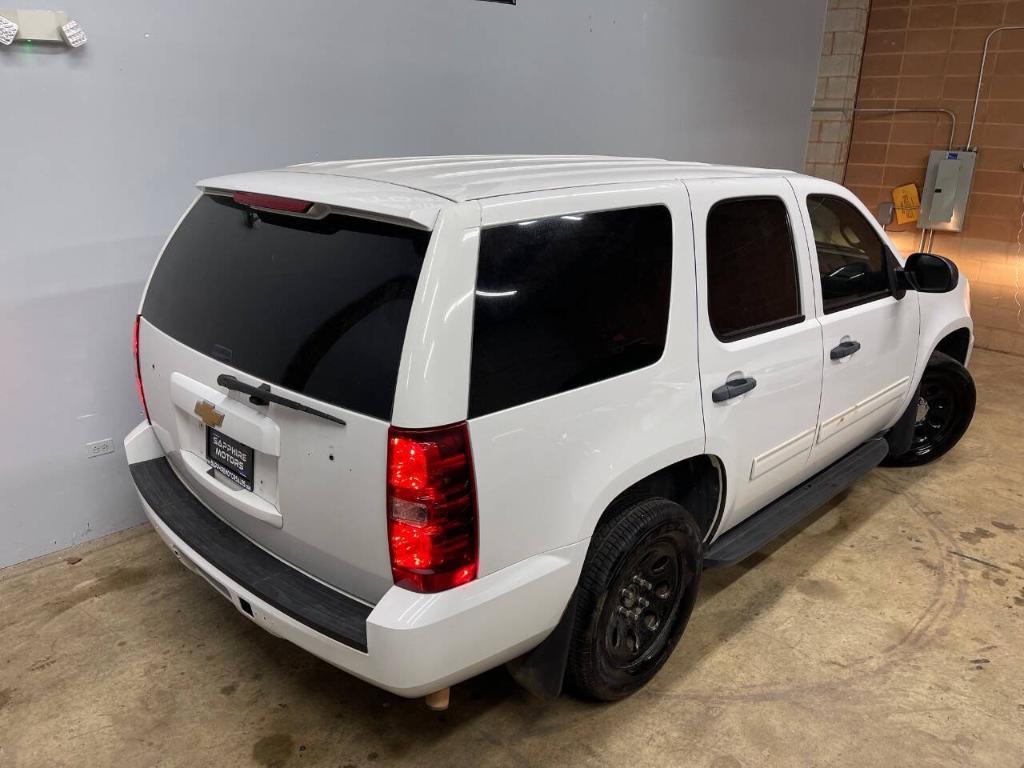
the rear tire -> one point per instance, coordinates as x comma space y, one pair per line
635, 596
945, 407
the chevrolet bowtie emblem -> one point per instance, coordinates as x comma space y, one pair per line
206, 411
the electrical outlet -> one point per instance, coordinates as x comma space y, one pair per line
99, 447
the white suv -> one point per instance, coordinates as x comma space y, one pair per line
425, 416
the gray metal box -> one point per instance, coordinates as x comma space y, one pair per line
947, 186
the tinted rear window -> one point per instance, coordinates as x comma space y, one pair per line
752, 275
317, 306
568, 301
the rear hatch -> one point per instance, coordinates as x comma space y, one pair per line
313, 304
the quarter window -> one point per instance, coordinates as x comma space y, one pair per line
752, 277
567, 301
851, 255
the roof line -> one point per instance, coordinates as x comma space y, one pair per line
493, 159
432, 193
585, 185
368, 162
767, 173
548, 169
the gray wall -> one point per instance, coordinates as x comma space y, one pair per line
101, 147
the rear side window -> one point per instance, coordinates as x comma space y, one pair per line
752, 277
317, 306
568, 301
851, 255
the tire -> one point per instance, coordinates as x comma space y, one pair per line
635, 596
945, 405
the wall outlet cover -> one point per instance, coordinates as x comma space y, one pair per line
99, 447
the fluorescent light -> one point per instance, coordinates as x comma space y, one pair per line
496, 294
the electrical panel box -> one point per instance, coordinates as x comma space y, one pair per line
947, 186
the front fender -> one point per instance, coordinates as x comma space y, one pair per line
941, 315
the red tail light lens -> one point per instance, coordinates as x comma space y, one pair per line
272, 202
138, 367
431, 508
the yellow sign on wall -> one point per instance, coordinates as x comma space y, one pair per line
907, 202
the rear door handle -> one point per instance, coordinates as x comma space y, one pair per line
733, 388
845, 349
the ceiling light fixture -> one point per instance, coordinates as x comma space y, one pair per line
73, 34
8, 31
39, 26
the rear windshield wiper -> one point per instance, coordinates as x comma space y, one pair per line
262, 395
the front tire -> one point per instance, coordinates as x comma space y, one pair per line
945, 407
635, 596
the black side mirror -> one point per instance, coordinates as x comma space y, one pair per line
897, 281
928, 273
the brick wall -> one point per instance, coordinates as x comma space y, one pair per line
926, 53
838, 73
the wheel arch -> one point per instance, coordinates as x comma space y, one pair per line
696, 483
956, 344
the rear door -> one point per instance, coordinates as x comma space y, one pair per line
759, 340
315, 308
870, 338
583, 377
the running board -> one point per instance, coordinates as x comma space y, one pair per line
786, 511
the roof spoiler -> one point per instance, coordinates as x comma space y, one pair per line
320, 195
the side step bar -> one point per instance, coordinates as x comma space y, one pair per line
786, 511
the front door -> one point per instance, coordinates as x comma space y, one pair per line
759, 339
870, 337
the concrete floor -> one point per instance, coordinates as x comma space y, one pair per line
887, 631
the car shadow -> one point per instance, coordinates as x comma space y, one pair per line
321, 696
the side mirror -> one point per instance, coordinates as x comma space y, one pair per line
928, 273
897, 280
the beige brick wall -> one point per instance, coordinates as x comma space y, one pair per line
838, 74
926, 53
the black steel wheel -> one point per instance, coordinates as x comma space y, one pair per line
635, 596
943, 410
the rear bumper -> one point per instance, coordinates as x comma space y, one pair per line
408, 643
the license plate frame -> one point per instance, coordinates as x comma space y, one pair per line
235, 460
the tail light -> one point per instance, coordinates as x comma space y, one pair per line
272, 202
431, 508
138, 367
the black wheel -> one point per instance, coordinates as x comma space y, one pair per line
634, 598
944, 409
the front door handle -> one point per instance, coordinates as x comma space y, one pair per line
733, 388
845, 349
